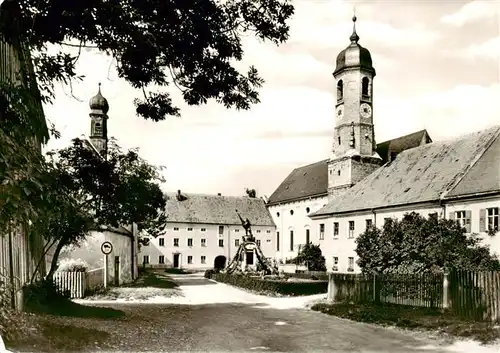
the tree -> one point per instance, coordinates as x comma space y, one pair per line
251, 193
418, 244
312, 257
85, 192
192, 45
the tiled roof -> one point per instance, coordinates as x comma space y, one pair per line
214, 209
312, 180
303, 182
483, 177
416, 175
403, 143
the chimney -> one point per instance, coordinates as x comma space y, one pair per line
180, 197
219, 194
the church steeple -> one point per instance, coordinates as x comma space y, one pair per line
353, 150
99, 122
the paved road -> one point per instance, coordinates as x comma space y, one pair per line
246, 327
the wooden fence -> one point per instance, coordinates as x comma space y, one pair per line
79, 283
474, 295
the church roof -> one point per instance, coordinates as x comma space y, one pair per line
303, 182
421, 174
312, 180
403, 143
215, 209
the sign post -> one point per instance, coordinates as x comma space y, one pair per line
106, 249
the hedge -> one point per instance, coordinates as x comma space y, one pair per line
271, 286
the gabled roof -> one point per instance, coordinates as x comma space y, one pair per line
312, 180
417, 175
308, 181
483, 177
403, 143
214, 209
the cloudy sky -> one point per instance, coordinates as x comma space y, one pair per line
438, 68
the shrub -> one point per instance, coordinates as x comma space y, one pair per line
42, 294
209, 274
272, 286
72, 265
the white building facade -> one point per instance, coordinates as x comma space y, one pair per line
203, 229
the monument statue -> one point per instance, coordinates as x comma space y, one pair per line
247, 226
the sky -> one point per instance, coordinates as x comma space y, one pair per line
438, 68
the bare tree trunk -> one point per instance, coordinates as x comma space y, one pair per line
42, 259
53, 264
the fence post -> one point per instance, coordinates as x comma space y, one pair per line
446, 290
376, 289
332, 288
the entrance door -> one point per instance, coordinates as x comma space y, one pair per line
117, 270
176, 260
249, 257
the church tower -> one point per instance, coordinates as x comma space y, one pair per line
354, 156
99, 122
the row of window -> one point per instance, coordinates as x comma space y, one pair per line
161, 242
161, 259
350, 264
292, 212
488, 219
365, 93
221, 230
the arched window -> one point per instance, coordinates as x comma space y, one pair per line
365, 83
340, 90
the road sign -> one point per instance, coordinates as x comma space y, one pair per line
106, 248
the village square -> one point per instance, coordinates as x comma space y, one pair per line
249, 175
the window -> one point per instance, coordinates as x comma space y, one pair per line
190, 229
350, 264
221, 230
321, 231
308, 209
236, 230
176, 241
203, 242
268, 231
145, 259
236, 242
190, 259
339, 140
268, 240
291, 240
369, 223
335, 263
277, 241
351, 229
98, 128
387, 220
460, 216
308, 240
492, 219
291, 212
340, 90
161, 242
365, 83
161, 259
258, 242
335, 229
203, 259
277, 214
338, 172
203, 229
176, 229
190, 242
258, 230
221, 243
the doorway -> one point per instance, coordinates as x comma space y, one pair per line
220, 262
176, 260
249, 256
117, 270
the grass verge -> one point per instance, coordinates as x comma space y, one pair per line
413, 318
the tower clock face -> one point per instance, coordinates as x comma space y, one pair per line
365, 110
340, 111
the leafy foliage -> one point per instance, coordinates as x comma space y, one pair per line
84, 192
312, 257
419, 244
190, 44
252, 193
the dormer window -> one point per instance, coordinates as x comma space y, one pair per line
365, 84
340, 91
